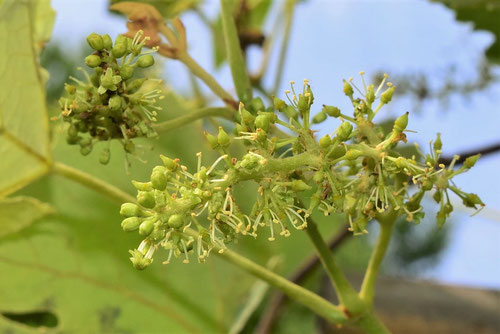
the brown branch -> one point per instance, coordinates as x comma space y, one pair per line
485, 150
299, 276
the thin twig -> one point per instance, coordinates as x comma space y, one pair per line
485, 150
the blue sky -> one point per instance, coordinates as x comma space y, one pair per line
332, 40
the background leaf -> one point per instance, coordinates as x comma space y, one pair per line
20, 212
24, 139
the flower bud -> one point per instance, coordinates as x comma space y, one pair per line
223, 138
126, 72
263, 121
212, 140
142, 186
303, 104
115, 103
353, 154
331, 111
401, 123
348, 89
261, 135
471, 200
145, 61
158, 178
129, 210
427, 185
129, 146
146, 227
95, 41
344, 131
175, 221
130, 224
108, 42
70, 89
279, 104
325, 141
85, 150
299, 185
93, 61
119, 50
246, 117
319, 118
170, 164
438, 144
257, 105
386, 96
146, 199
471, 161
370, 94
318, 177
105, 156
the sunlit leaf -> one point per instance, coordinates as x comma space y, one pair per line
20, 212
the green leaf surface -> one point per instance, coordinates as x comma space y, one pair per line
168, 8
20, 212
484, 14
24, 139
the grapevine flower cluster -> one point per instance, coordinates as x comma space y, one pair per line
111, 103
357, 170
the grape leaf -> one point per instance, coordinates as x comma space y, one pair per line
24, 138
20, 212
484, 14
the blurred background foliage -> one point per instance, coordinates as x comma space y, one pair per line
69, 272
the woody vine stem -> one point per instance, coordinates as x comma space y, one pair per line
357, 170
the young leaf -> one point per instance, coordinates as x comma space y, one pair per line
24, 139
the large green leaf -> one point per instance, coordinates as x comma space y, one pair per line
20, 212
484, 14
24, 139
167, 8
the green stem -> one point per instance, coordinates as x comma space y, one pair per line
234, 53
386, 226
301, 295
193, 116
209, 80
289, 9
345, 292
92, 182
370, 324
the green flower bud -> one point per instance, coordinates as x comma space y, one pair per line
70, 89
223, 138
291, 112
471, 200
325, 141
146, 199
318, 177
261, 135
73, 140
344, 131
427, 185
438, 144
158, 178
353, 154
303, 104
331, 111
115, 103
338, 152
142, 186
175, 221
401, 123
130, 210
130, 224
257, 104
105, 156
246, 117
279, 104
299, 185
119, 50
72, 131
126, 72
93, 61
262, 121
95, 41
212, 140
438, 196
85, 150
319, 118
129, 147
145, 61
370, 94
108, 42
348, 89
139, 261
386, 96
169, 163
471, 161
146, 227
